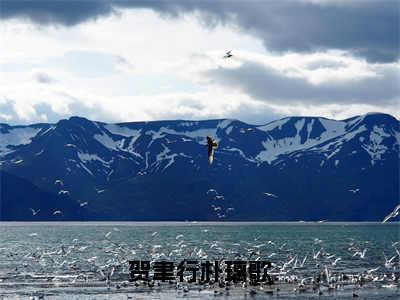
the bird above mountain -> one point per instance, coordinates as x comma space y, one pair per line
211, 144
35, 212
270, 195
228, 54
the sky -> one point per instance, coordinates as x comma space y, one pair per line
121, 61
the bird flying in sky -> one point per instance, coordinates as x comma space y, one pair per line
228, 54
211, 144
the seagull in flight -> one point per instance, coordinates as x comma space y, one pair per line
393, 214
228, 54
211, 144
389, 262
212, 191
336, 261
354, 190
59, 182
270, 195
361, 254
35, 212
315, 255
373, 270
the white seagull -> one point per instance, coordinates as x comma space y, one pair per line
393, 214
271, 195
59, 182
361, 254
389, 262
179, 236
336, 261
34, 212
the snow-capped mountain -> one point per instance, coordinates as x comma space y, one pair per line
296, 168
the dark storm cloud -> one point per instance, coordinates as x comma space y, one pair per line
57, 12
366, 28
267, 84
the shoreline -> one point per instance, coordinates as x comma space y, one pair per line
60, 290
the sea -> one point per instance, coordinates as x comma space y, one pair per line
94, 260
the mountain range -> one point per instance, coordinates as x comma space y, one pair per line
292, 169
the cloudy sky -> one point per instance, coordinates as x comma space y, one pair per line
119, 61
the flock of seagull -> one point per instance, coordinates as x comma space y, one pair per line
218, 206
104, 262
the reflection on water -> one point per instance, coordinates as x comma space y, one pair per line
78, 260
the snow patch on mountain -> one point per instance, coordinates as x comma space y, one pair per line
375, 148
275, 147
16, 137
229, 130
353, 123
224, 123
121, 130
164, 155
309, 128
240, 152
86, 157
108, 142
272, 125
51, 128
333, 128
333, 146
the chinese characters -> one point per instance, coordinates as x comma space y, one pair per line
194, 271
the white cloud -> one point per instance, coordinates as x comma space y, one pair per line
139, 66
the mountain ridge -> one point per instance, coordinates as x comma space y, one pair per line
197, 120
141, 163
